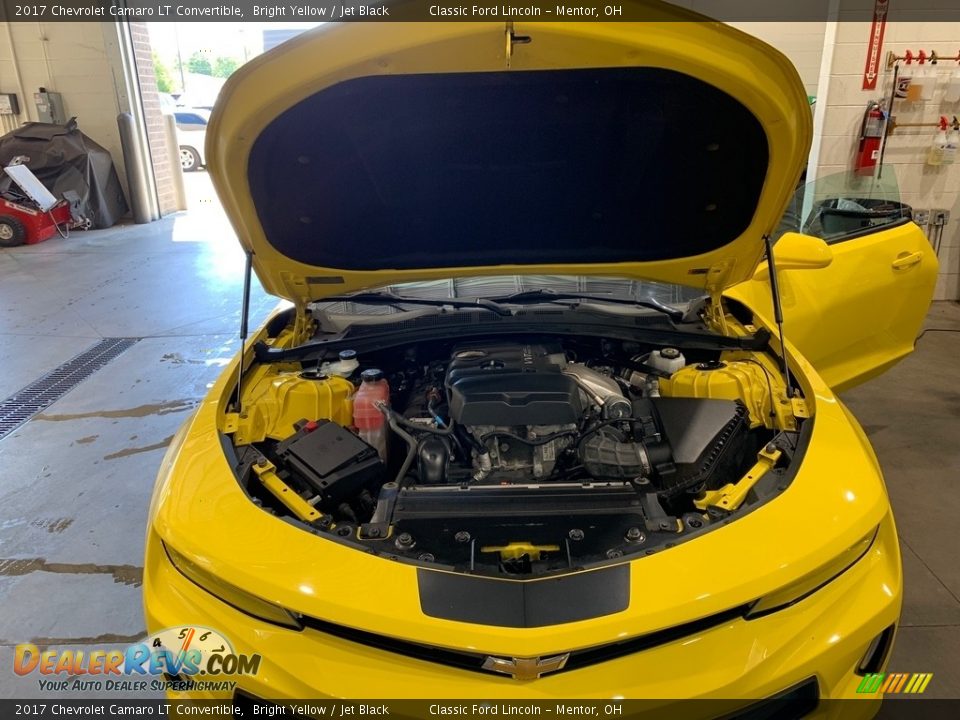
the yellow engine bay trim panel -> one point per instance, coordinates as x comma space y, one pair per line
267, 472
730, 496
277, 396
752, 378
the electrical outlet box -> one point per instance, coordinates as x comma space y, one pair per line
9, 105
50, 107
921, 217
939, 216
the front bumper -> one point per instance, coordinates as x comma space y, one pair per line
824, 636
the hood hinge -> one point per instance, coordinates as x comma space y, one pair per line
716, 317
298, 291
716, 282
303, 323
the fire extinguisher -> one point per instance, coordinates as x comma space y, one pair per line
871, 134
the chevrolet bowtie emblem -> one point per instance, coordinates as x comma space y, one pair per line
526, 668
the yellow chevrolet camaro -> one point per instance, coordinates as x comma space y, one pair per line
531, 426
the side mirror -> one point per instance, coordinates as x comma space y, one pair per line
796, 251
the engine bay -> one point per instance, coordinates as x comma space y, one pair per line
516, 456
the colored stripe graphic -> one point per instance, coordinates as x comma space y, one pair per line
870, 683
918, 683
912, 683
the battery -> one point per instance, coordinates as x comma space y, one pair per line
330, 459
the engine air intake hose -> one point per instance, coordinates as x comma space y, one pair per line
606, 457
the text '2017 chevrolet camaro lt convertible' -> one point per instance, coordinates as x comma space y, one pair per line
530, 426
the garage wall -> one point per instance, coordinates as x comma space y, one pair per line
160, 156
842, 104
69, 58
802, 42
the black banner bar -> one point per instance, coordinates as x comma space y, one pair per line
287, 11
247, 707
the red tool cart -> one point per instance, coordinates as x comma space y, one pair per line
29, 213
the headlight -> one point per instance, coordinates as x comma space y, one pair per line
230, 594
809, 584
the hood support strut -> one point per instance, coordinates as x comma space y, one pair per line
244, 322
777, 312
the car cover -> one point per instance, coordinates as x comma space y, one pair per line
63, 159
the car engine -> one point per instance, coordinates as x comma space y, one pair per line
517, 403
523, 406
520, 455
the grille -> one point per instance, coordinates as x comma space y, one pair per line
43, 392
474, 661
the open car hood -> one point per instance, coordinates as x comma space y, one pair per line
365, 154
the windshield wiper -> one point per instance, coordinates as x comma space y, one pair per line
382, 297
549, 296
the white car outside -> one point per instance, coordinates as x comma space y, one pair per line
191, 136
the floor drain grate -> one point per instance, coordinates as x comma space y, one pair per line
42, 393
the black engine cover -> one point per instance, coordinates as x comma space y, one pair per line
509, 384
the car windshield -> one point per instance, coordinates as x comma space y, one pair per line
497, 286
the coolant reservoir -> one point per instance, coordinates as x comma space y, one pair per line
370, 422
668, 360
273, 400
731, 380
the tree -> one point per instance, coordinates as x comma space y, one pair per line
224, 67
162, 73
199, 64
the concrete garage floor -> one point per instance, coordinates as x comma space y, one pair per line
76, 480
